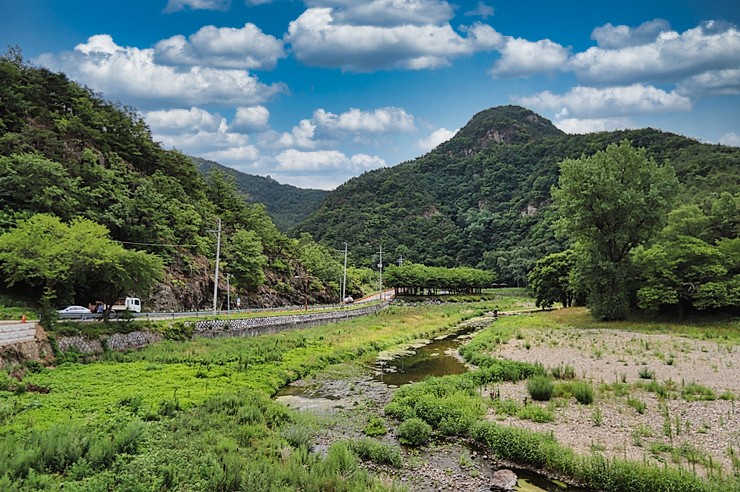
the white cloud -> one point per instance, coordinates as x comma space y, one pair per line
590, 102
520, 58
481, 10
381, 120
131, 74
182, 120
177, 5
226, 47
718, 82
326, 160
613, 37
437, 137
672, 56
590, 125
732, 139
251, 119
318, 38
302, 135
387, 13
241, 154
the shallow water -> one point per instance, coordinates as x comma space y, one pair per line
432, 359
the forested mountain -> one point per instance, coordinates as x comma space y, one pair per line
285, 204
71, 161
482, 199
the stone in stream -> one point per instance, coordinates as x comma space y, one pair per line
503, 480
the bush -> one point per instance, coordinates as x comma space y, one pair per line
414, 432
540, 388
563, 372
583, 392
535, 414
377, 452
375, 427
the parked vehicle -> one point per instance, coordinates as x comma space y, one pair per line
123, 303
74, 312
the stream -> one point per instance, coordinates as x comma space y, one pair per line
430, 358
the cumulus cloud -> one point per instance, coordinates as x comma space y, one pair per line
323, 36
590, 102
381, 120
241, 154
177, 5
251, 119
671, 56
437, 137
174, 121
615, 37
387, 13
520, 58
732, 139
225, 47
718, 82
481, 10
591, 125
326, 160
131, 74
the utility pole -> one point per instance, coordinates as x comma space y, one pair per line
344, 281
380, 268
218, 255
400, 260
228, 294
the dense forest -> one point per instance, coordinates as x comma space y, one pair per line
285, 204
72, 162
483, 198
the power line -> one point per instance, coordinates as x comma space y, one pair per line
159, 244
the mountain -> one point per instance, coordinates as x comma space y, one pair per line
65, 151
285, 204
482, 198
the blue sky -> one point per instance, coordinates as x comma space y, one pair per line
315, 92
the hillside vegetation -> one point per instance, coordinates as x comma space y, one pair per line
68, 153
482, 199
285, 204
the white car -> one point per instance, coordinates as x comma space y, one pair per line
73, 311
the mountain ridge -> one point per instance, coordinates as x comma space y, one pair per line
482, 199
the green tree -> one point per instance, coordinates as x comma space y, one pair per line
245, 259
609, 203
67, 260
550, 279
685, 267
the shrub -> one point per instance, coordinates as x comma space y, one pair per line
414, 432
535, 414
563, 372
377, 452
646, 373
375, 427
637, 404
540, 388
583, 392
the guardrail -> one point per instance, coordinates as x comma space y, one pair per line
115, 316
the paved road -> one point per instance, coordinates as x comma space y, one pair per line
15, 332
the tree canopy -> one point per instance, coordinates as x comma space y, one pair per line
608, 204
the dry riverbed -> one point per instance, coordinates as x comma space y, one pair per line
658, 398
696, 423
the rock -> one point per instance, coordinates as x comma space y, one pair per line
503, 480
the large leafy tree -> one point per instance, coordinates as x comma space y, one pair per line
246, 260
609, 203
550, 279
75, 259
691, 265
